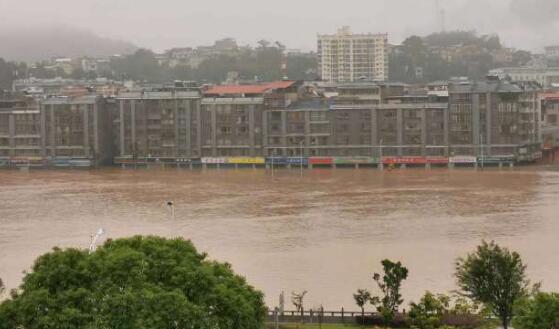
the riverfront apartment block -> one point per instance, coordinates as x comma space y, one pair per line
157, 124
20, 130
58, 131
495, 118
363, 122
346, 57
77, 130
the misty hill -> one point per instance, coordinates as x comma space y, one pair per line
35, 44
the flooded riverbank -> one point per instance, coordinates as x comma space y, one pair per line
325, 232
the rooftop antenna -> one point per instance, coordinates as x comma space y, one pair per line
94, 239
442, 13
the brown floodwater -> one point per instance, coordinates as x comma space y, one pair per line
326, 232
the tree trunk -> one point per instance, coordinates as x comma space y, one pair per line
363, 316
505, 323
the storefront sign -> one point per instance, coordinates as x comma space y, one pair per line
462, 159
496, 159
321, 161
60, 162
246, 160
437, 160
214, 160
80, 163
355, 160
538, 155
297, 160
404, 160
26, 160
276, 160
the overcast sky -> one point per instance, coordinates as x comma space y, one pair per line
161, 24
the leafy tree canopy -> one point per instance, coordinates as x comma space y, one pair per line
263, 62
493, 276
454, 38
138, 282
390, 283
540, 311
428, 313
440, 56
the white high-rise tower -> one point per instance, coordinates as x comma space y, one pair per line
347, 57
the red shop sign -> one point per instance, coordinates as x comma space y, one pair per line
323, 161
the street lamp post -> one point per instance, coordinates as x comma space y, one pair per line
273, 156
171, 206
481, 149
301, 151
381, 164
94, 239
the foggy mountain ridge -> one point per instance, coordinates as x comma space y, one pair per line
36, 44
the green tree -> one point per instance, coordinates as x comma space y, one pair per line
493, 276
428, 313
362, 297
521, 57
9, 71
389, 284
451, 38
139, 282
538, 312
142, 65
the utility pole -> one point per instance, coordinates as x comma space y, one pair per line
276, 317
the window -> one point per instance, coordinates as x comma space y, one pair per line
318, 116
295, 116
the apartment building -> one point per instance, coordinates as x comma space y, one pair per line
20, 130
347, 57
396, 123
547, 77
157, 124
550, 124
494, 117
234, 116
77, 129
552, 52
363, 120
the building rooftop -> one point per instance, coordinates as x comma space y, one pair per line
550, 96
158, 95
248, 89
370, 84
317, 103
88, 99
526, 69
485, 87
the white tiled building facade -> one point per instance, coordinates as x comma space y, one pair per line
347, 57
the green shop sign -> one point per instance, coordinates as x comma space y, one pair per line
355, 160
